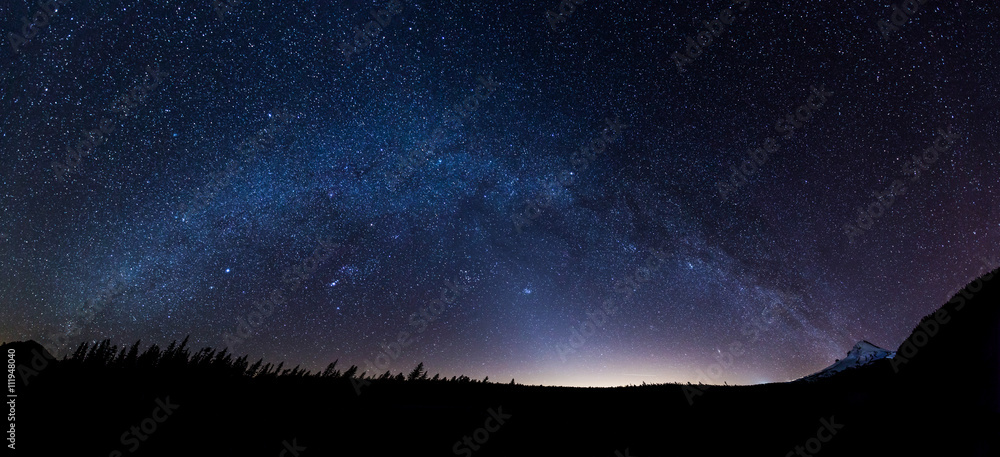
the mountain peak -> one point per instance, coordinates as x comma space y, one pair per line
863, 353
864, 346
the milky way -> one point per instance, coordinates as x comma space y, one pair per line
593, 193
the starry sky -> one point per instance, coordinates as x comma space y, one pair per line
489, 176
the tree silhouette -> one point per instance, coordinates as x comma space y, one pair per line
418, 373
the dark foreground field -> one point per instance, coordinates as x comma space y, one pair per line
938, 397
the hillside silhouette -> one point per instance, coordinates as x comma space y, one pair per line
937, 396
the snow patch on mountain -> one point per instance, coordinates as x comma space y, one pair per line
863, 353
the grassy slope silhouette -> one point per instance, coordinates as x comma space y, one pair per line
938, 396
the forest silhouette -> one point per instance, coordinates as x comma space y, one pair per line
940, 395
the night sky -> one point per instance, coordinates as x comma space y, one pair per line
552, 198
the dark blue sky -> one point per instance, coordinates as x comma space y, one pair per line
560, 206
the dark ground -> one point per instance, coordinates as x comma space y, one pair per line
942, 401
